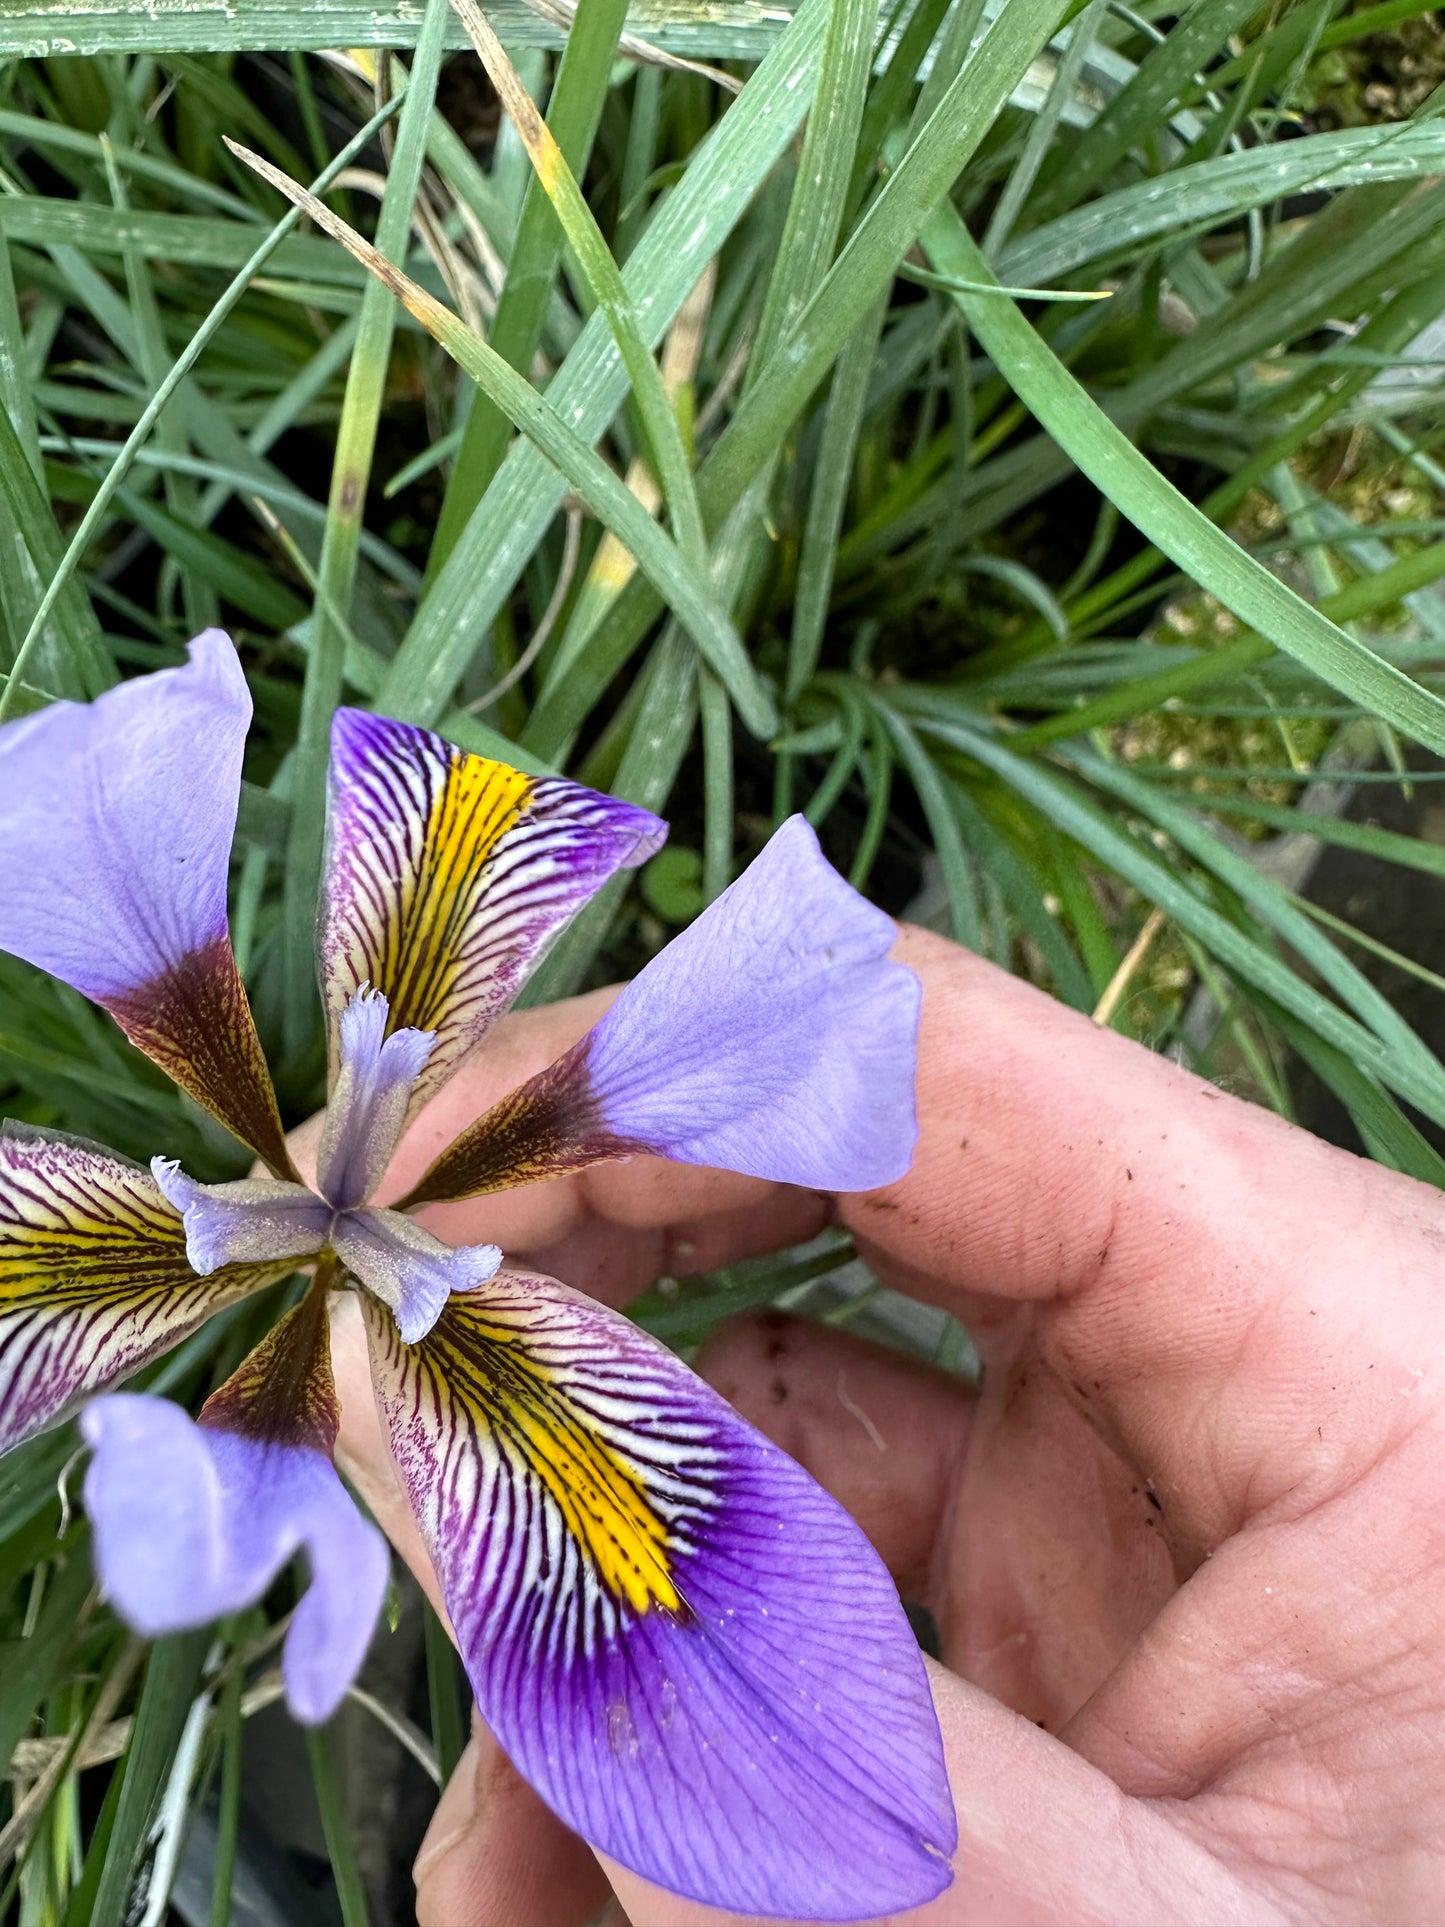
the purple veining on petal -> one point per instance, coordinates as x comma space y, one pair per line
409, 1270
191, 1523
251, 1221
94, 1278
369, 1104
447, 876
116, 820
767, 1744
195, 1021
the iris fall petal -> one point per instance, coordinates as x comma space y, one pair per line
94, 1277
447, 876
682, 1642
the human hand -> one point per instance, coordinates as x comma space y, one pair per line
1183, 1548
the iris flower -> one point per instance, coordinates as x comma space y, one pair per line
690, 1651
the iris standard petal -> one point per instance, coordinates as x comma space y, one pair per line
773, 1036
94, 1278
251, 1221
447, 876
686, 1646
370, 1102
408, 1269
195, 1521
191, 1523
115, 838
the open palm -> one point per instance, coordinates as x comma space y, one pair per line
1184, 1548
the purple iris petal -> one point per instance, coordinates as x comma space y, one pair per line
118, 818
191, 1523
447, 876
368, 1107
115, 833
687, 1647
406, 1267
773, 1036
252, 1221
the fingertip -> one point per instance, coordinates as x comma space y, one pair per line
643, 1192
780, 1217
495, 1855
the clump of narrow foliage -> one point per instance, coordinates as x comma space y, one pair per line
981, 424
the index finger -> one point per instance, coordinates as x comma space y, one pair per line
1195, 1263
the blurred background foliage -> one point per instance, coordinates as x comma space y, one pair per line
1096, 620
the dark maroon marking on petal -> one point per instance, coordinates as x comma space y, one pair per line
548, 1126
195, 1021
283, 1393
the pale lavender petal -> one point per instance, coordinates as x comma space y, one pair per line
191, 1523
688, 1648
117, 823
406, 1267
253, 1221
94, 1277
447, 877
773, 1036
369, 1104
116, 820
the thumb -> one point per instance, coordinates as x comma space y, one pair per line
1043, 1837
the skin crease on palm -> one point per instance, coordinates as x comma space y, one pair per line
1185, 1548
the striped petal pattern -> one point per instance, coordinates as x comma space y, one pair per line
94, 1279
116, 819
681, 1641
774, 1036
447, 876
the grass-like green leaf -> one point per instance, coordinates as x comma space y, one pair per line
346, 503
690, 227
723, 30
659, 559
1172, 522
172, 1678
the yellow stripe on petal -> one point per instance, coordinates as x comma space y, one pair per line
767, 1745
529, 1407
448, 875
475, 804
557, 1473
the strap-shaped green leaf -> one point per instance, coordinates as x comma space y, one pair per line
1106, 455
